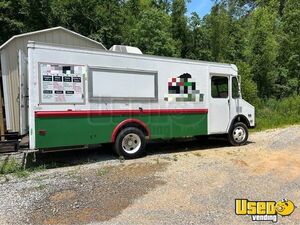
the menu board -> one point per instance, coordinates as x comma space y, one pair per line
61, 84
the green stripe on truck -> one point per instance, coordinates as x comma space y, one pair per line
64, 131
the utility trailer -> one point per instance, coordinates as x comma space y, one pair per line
72, 97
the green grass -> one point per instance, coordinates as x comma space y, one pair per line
12, 167
22, 173
277, 113
9, 166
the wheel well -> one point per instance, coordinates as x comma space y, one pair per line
241, 118
130, 123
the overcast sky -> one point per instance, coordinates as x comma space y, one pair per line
202, 7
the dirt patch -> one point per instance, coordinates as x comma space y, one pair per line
98, 196
62, 196
283, 164
240, 163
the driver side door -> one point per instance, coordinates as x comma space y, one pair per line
219, 104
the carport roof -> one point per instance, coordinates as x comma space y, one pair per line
47, 30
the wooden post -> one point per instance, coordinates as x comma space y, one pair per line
1, 114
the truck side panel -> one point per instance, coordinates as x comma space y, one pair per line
73, 130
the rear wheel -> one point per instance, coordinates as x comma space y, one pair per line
238, 134
130, 143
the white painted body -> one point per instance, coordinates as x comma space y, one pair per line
220, 111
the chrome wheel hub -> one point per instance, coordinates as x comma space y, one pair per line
239, 134
131, 143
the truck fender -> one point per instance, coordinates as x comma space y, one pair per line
239, 118
127, 123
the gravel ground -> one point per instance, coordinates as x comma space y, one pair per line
179, 182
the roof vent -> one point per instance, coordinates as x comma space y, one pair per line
125, 49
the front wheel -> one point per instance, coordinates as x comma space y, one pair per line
238, 134
130, 143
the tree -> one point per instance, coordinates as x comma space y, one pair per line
249, 88
132, 12
79, 15
110, 19
101, 20
262, 49
179, 29
164, 5
37, 13
290, 46
152, 34
199, 44
218, 27
11, 19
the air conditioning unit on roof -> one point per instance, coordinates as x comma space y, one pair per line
126, 49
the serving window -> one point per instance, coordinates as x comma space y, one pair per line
111, 84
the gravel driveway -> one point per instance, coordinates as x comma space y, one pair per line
179, 182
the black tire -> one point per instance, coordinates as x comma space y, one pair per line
238, 134
134, 145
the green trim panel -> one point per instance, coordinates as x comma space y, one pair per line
52, 132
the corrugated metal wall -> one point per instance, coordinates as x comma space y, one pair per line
9, 63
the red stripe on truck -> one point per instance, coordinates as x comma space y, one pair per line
81, 113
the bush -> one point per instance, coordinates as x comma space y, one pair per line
249, 88
274, 113
9, 166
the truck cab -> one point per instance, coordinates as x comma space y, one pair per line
229, 113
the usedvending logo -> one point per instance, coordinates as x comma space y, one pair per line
264, 210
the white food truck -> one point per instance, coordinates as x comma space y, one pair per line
79, 97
